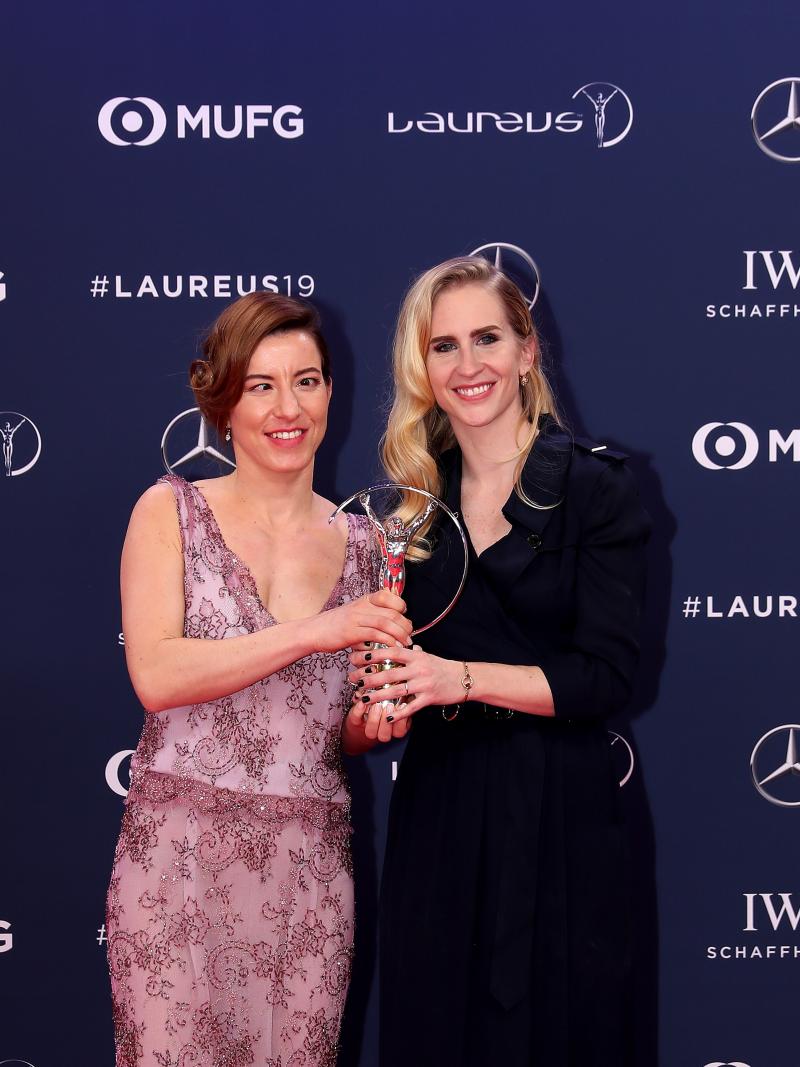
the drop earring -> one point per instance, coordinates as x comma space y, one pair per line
228, 432
524, 379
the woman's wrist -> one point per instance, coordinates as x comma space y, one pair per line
465, 685
354, 738
299, 637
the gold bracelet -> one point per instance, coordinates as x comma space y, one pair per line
467, 681
450, 712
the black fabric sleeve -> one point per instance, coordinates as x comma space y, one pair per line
591, 674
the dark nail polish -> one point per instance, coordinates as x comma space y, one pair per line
390, 718
359, 683
368, 656
368, 670
365, 699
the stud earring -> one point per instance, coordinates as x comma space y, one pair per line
227, 433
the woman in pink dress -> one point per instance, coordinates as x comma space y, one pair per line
230, 908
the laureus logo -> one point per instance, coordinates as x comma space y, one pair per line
21, 443
600, 95
605, 109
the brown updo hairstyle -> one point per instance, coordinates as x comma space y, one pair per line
217, 380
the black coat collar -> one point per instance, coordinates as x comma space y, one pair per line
544, 482
543, 478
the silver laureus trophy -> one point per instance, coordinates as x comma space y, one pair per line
394, 536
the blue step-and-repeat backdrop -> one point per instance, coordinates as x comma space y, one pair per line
637, 168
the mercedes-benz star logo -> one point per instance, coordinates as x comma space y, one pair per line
200, 450
523, 270
789, 765
21, 443
790, 120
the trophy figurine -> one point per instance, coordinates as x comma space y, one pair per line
394, 539
394, 536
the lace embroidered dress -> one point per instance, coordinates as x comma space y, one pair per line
230, 908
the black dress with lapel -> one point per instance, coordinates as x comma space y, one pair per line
504, 904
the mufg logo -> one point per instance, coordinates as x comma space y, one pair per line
141, 121
6, 939
733, 445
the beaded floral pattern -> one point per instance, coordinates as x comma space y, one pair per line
230, 908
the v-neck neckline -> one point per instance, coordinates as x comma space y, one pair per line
460, 505
246, 575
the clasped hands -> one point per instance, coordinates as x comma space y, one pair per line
419, 680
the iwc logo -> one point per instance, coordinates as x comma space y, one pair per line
776, 120
516, 263
775, 768
186, 447
21, 443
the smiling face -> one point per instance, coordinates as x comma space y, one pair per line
281, 418
475, 360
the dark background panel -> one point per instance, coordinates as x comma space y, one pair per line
633, 243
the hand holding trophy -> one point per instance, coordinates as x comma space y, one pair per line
394, 537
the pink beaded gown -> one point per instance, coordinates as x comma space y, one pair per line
230, 908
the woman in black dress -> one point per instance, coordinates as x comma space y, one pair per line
505, 912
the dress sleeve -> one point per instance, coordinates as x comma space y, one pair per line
591, 673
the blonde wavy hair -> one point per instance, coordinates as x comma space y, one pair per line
418, 431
